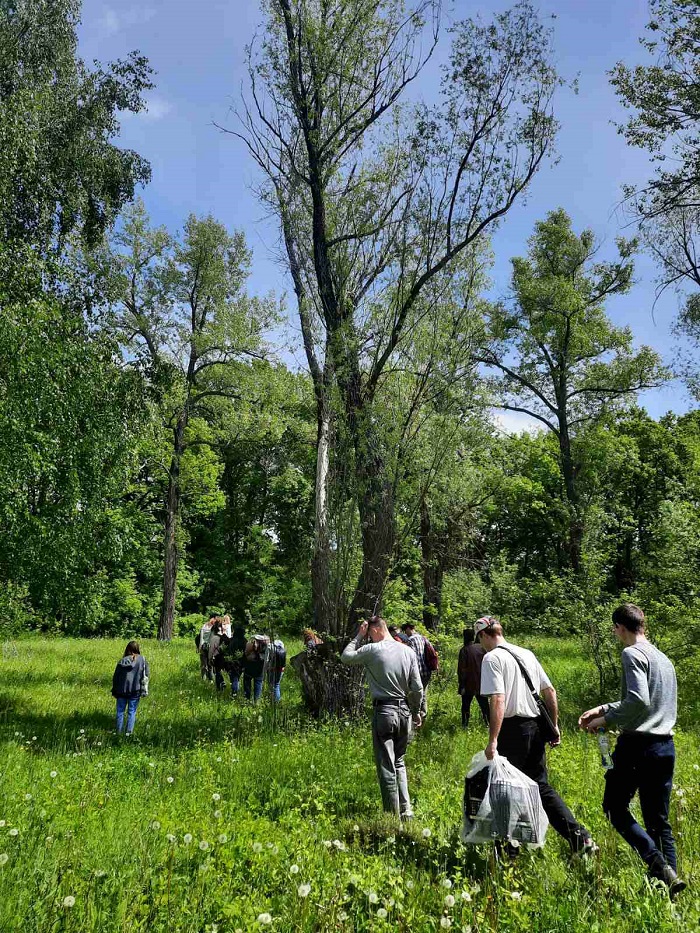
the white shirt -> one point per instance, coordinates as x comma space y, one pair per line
500, 674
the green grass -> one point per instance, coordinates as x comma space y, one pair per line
292, 793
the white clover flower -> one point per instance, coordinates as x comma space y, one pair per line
304, 890
446, 883
445, 923
204, 845
82, 731
257, 847
265, 919
294, 869
53, 774
171, 839
327, 843
216, 797
27, 796
155, 825
217, 814
69, 901
187, 838
34, 738
516, 895
356, 828
223, 838
3, 858
426, 834
99, 743
373, 897
449, 900
409, 884
466, 896
340, 846
170, 779
342, 916
14, 832
381, 913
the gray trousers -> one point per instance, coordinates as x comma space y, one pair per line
391, 732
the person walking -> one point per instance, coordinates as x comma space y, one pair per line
418, 642
644, 755
514, 726
230, 656
396, 689
205, 669
129, 684
469, 663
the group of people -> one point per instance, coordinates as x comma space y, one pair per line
510, 683
226, 650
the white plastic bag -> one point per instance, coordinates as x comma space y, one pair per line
510, 809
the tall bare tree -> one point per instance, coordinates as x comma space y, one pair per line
380, 199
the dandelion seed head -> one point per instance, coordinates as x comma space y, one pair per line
69, 901
304, 890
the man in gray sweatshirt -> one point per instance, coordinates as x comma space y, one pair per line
644, 755
394, 682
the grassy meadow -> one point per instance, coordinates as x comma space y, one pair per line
218, 816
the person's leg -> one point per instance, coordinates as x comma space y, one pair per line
131, 716
484, 707
466, 706
203, 663
219, 674
559, 815
655, 784
277, 691
257, 688
247, 685
384, 728
400, 745
121, 706
235, 683
621, 783
424, 701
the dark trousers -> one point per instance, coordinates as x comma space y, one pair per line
521, 743
467, 703
643, 763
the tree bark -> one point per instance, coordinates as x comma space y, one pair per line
568, 468
172, 519
325, 619
432, 571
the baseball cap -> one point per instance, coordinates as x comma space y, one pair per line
482, 623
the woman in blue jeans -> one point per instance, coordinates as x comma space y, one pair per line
129, 684
253, 666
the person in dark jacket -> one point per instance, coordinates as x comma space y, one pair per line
469, 677
129, 684
230, 658
254, 666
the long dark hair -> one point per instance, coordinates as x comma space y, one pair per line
132, 648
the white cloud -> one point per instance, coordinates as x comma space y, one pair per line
156, 109
515, 422
113, 21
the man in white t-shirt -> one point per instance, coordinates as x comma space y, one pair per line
514, 729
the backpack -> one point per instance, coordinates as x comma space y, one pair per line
430, 655
279, 656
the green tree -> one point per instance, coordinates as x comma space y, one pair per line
558, 357
380, 212
181, 305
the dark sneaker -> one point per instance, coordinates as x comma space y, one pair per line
669, 877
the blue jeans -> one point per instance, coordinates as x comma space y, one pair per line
391, 731
256, 682
122, 704
644, 763
275, 684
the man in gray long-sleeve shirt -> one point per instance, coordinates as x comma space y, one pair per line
644, 756
396, 689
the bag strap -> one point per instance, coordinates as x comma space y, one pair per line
523, 671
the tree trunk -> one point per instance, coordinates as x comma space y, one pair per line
172, 518
574, 543
325, 618
432, 571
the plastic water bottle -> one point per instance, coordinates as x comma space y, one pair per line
604, 747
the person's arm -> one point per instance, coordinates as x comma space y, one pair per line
497, 706
351, 656
549, 695
415, 695
635, 703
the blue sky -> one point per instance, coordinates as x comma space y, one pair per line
197, 51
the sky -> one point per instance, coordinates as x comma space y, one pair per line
197, 51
